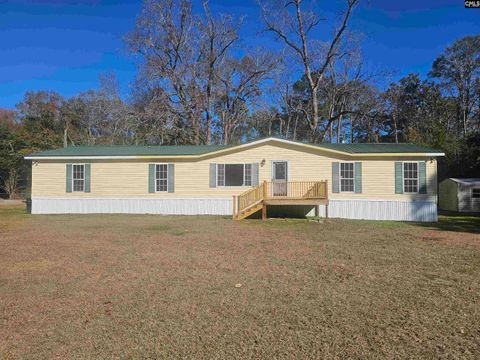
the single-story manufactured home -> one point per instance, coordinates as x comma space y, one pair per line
461, 195
355, 181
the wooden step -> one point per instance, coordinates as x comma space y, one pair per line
250, 211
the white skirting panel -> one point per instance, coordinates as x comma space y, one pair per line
382, 210
133, 206
347, 209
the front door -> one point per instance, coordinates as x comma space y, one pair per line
279, 178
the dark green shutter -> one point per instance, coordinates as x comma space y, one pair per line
151, 178
213, 175
69, 178
422, 177
171, 178
87, 178
398, 177
358, 177
335, 177
255, 174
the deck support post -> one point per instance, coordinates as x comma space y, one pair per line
264, 212
317, 210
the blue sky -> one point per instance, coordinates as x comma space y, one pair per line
64, 45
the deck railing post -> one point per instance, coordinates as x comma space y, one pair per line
265, 194
234, 205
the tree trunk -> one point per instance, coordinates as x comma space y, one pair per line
197, 135
65, 137
209, 128
330, 125
287, 130
225, 130
314, 123
208, 114
295, 128
11, 183
339, 129
351, 129
395, 127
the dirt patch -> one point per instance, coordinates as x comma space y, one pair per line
35, 265
452, 238
12, 203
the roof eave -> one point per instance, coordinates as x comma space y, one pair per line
217, 152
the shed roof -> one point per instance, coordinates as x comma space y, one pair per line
467, 181
199, 150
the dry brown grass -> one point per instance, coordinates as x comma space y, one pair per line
167, 287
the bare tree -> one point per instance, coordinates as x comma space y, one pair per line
166, 36
339, 91
241, 86
151, 121
292, 25
459, 72
219, 35
11, 182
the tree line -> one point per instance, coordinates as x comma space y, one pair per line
199, 83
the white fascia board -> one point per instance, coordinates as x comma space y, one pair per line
242, 146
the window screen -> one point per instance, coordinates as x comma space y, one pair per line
476, 193
410, 177
234, 174
346, 177
161, 177
78, 177
280, 170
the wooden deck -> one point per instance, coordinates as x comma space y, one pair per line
279, 193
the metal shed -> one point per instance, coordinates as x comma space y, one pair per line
460, 195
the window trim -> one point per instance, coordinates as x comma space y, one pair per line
225, 175
403, 177
155, 178
340, 177
73, 178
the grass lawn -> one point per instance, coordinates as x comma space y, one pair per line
120, 286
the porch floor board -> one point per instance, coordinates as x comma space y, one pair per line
294, 201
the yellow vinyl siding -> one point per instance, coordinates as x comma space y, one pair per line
129, 178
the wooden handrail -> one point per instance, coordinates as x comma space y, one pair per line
250, 197
290, 189
298, 189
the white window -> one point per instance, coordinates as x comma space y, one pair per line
221, 175
476, 193
234, 174
161, 177
347, 177
248, 175
78, 178
410, 177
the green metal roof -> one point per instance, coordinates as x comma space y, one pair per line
131, 150
179, 150
379, 148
